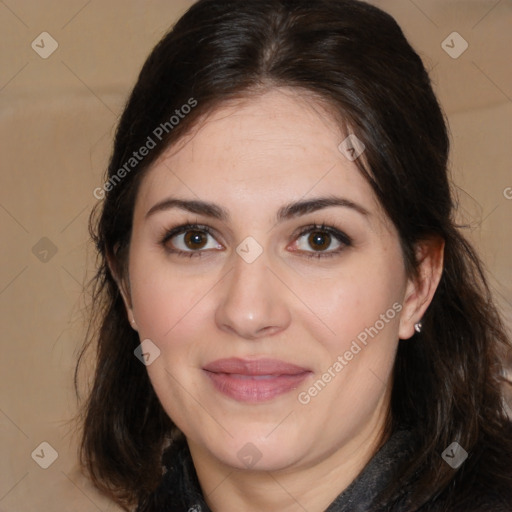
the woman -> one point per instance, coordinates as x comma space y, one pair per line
288, 316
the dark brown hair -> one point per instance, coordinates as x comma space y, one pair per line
446, 381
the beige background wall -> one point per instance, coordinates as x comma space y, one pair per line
57, 120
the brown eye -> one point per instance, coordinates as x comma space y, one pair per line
195, 239
190, 240
319, 241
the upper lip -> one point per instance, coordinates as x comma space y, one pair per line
254, 367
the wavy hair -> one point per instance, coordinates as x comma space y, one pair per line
353, 57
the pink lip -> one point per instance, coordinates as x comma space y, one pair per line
254, 380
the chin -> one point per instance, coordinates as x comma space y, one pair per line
257, 452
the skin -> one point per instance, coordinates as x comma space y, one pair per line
252, 158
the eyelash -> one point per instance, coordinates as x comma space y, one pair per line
338, 235
179, 230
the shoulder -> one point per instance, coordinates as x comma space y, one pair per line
483, 483
476, 501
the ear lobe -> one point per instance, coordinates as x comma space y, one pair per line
124, 289
421, 287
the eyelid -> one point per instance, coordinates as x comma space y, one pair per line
339, 235
183, 228
331, 230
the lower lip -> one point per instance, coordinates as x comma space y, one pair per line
247, 388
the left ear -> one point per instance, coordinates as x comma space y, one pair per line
421, 287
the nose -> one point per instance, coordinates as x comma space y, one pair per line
252, 303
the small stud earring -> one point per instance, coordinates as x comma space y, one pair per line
418, 326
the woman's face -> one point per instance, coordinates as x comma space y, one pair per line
278, 308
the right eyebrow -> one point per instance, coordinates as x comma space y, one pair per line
200, 207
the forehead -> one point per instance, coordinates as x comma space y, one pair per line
262, 150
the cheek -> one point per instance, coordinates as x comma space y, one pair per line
173, 317
361, 295
361, 308
161, 303
155, 307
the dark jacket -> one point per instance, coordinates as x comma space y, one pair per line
180, 490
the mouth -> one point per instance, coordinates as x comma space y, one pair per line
254, 380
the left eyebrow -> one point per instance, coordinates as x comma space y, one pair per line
286, 212
303, 207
